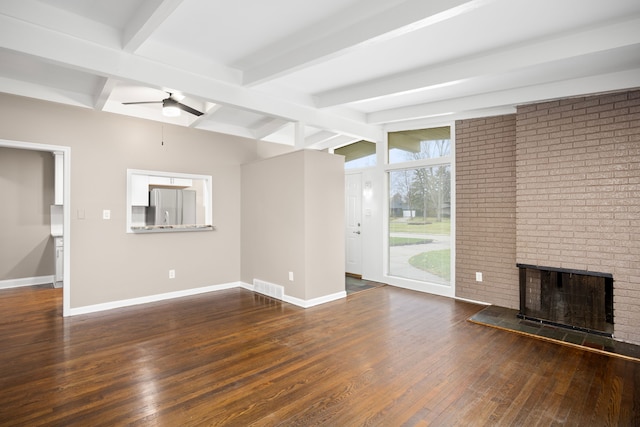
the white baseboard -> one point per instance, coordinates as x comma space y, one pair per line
315, 301
27, 281
301, 302
151, 298
178, 294
247, 286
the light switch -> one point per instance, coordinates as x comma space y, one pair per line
81, 214
106, 214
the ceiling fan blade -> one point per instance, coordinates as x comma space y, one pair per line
169, 102
189, 109
142, 102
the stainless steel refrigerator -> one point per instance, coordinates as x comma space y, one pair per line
171, 207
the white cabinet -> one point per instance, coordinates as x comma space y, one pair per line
139, 190
58, 186
181, 182
140, 186
59, 262
160, 180
167, 181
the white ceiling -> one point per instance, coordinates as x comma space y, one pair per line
316, 74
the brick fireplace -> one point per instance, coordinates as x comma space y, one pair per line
565, 194
573, 299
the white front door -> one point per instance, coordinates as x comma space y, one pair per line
353, 221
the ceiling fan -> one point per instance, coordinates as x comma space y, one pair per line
170, 107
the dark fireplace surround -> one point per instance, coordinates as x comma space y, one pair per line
575, 299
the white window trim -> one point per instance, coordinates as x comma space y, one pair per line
386, 167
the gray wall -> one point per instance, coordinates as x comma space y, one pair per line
293, 220
26, 193
324, 226
106, 263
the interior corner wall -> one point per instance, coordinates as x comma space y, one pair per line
108, 264
293, 221
486, 210
26, 186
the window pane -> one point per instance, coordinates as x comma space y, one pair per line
358, 155
419, 224
419, 144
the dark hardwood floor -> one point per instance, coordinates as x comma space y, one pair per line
387, 357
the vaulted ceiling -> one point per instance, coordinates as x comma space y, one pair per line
316, 74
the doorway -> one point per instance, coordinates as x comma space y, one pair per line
65, 153
353, 224
354, 236
354, 284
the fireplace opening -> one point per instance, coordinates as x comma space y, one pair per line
581, 300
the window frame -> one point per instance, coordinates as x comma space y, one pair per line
434, 288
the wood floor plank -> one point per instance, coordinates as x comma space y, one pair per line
383, 357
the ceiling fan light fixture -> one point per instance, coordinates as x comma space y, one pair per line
169, 108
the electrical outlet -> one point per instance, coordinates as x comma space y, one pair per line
478, 276
106, 214
291, 276
172, 274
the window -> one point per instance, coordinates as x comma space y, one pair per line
420, 206
360, 154
412, 145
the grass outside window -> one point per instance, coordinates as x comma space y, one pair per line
420, 225
434, 262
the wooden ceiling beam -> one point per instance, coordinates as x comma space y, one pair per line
337, 37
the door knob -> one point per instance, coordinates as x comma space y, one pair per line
356, 232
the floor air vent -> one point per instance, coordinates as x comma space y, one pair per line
269, 289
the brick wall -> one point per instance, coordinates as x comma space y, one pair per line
486, 210
578, 193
